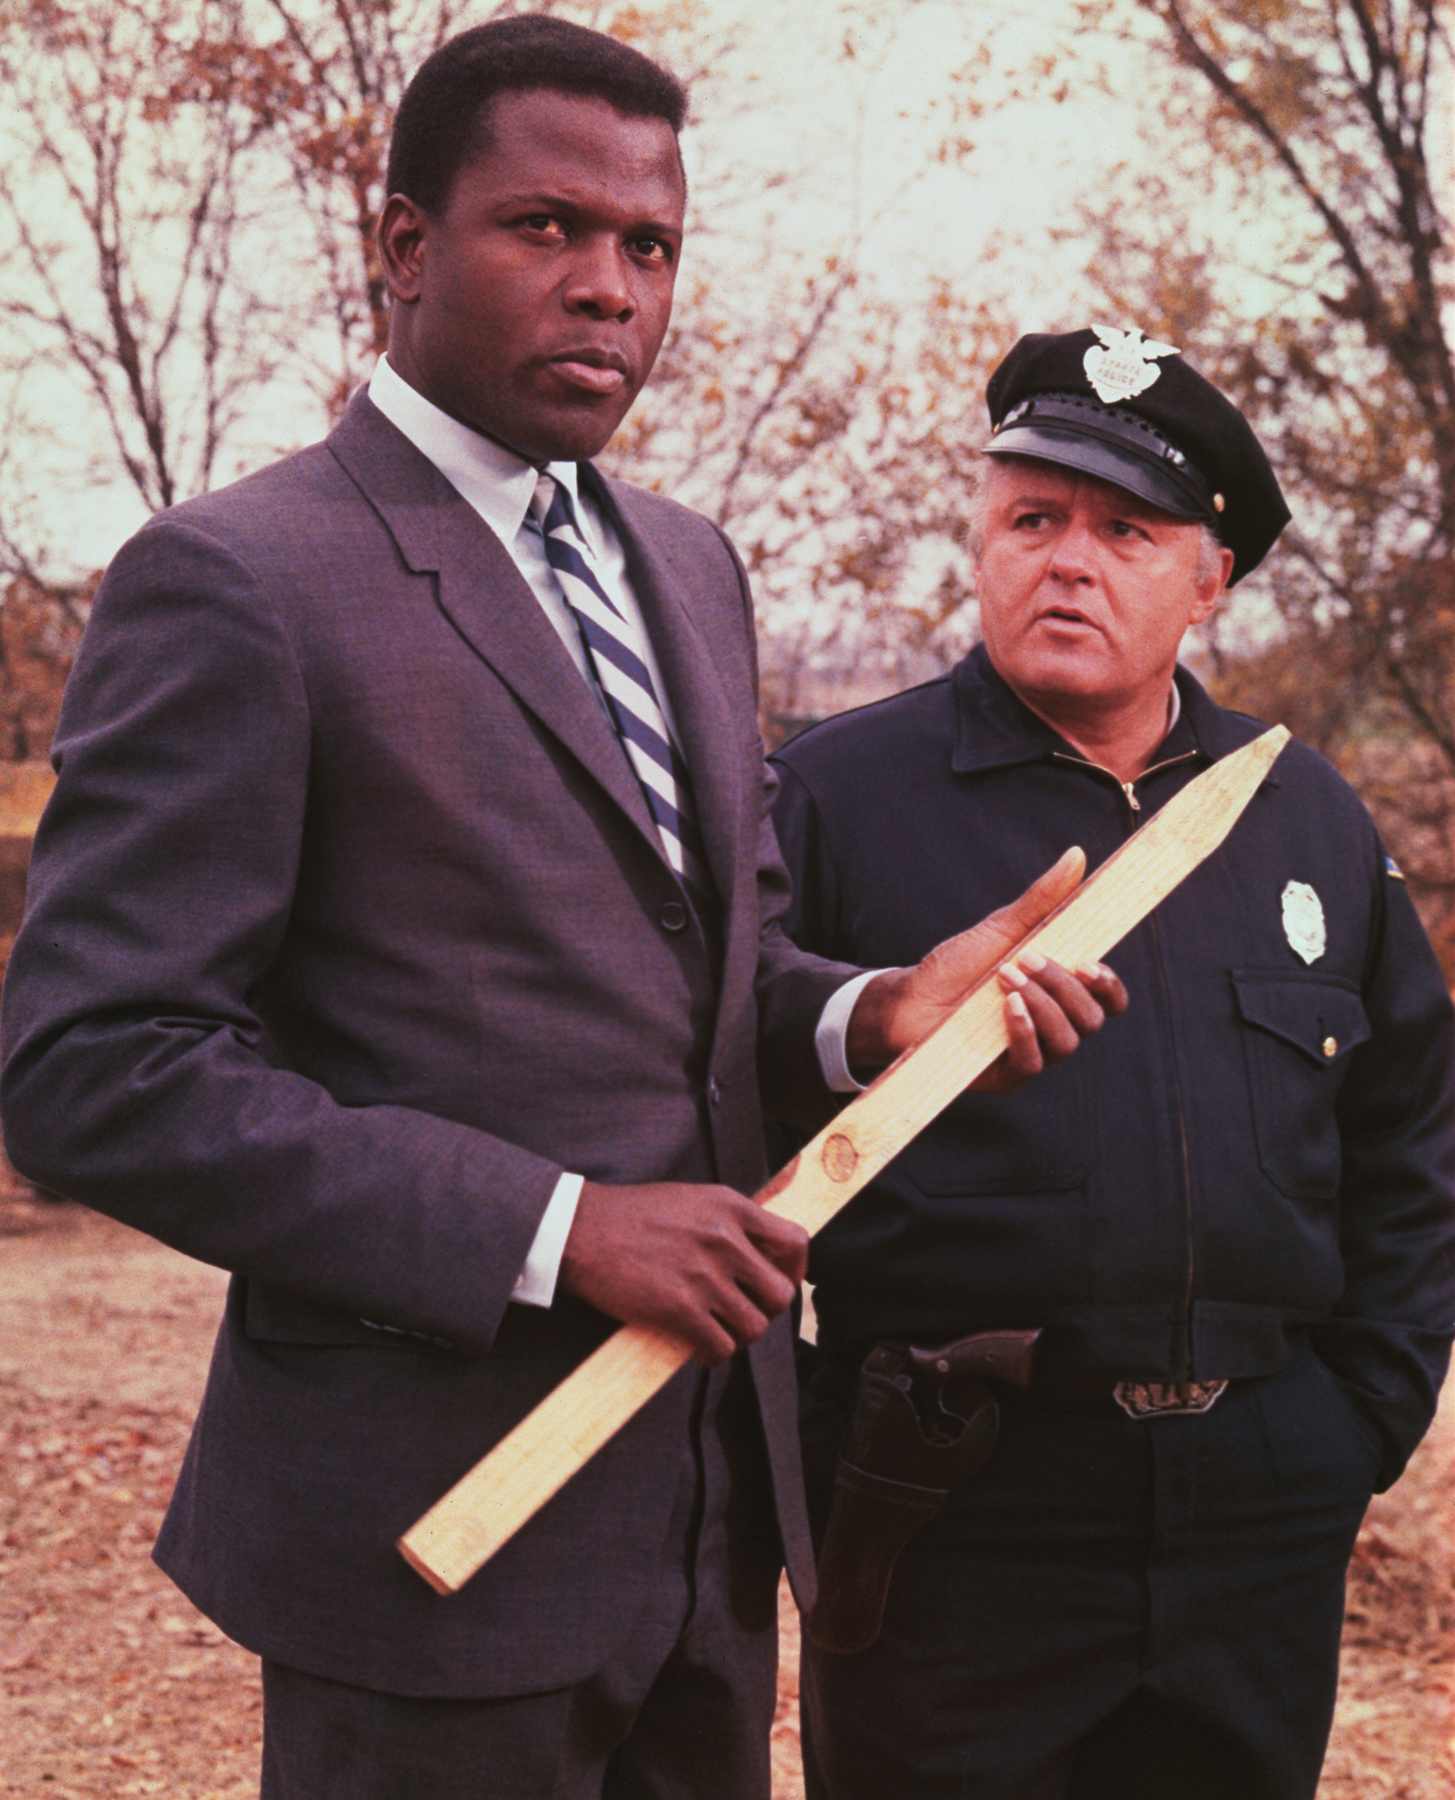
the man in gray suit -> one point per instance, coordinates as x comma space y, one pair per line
387, 948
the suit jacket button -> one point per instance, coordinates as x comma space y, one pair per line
673, 915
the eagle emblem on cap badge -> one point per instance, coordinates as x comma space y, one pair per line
1124, 363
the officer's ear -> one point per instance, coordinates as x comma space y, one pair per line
1210, 578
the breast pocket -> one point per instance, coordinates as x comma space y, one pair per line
1300, 1032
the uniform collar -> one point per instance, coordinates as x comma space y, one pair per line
995, 730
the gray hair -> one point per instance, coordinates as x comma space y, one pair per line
1209, 550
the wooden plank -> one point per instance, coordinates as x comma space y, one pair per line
534, 1461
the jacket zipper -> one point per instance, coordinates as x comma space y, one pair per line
1134, 806
1184, 1154
1129, 788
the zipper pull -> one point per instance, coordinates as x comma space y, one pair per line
1131, 795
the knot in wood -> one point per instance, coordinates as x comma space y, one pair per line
840, 1158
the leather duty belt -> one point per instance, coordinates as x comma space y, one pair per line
1139, 1398
924, 1422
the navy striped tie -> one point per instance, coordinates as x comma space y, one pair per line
614, 649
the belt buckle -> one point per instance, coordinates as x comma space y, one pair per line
1148, 1399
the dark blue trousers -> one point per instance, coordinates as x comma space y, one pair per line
1114, 1610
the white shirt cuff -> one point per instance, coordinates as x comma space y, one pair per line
536, 1283
830, 1039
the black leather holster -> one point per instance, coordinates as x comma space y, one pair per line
923, 1422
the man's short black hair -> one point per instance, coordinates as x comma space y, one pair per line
443, 119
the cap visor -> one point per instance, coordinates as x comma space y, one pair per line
1097, 457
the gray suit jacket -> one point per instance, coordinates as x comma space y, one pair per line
348, 931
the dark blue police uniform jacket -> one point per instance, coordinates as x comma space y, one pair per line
1261, 1154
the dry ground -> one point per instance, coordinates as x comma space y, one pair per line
111, 1685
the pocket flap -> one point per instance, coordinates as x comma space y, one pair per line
1323, 1017
273, 1317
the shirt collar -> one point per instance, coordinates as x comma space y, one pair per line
496, 482
994, 729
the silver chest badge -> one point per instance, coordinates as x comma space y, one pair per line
1303, 921
1123, 364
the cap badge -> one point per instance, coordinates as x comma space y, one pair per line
1303, 921
1124, 363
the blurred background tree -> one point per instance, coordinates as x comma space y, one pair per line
186, 225
123, 226
193, 193
1315, 286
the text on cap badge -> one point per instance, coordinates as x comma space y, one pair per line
1124, 363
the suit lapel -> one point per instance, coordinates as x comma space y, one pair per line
665, 585
485, 596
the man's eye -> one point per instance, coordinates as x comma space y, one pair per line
652, 249
1030, 521
543, 222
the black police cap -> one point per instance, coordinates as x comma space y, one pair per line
1131, 411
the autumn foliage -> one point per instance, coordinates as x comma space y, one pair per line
188, 191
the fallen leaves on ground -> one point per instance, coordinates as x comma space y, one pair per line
113, 1685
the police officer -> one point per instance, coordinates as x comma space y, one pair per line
1229, 1218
